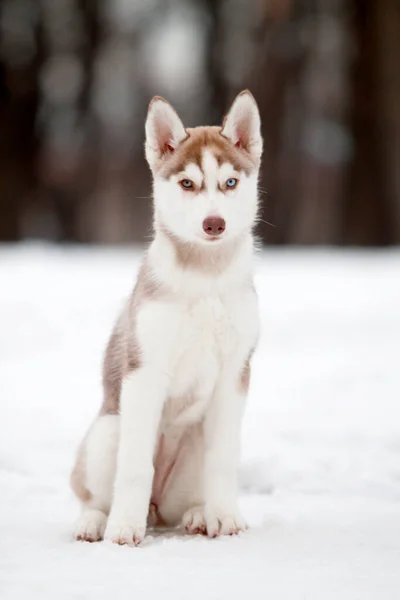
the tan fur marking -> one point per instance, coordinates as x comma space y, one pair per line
244, 379
208, 259
191, 151
112, 373
123, 353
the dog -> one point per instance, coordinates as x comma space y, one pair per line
165, 446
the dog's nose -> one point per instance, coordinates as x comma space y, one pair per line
214, 225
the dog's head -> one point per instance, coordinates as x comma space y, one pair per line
205, 178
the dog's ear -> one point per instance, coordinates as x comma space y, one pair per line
242, 125
164, 130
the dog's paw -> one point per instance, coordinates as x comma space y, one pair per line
219, 522
194, 521
90, 526
213, 522
123, 531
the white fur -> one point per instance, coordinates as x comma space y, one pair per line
101, 449
142, 399
193, 347
91, 525
192, 172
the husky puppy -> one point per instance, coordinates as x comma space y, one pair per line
165, 446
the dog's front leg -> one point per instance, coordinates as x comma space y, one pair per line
142, 397
222, 437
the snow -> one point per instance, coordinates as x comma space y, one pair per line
321, 440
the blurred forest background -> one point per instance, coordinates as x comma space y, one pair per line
76, 77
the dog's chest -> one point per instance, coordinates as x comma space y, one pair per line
193, 341
208, 336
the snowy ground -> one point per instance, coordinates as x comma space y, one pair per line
321, 439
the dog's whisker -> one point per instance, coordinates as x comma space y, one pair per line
266, 222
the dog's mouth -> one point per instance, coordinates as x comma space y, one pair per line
214, 240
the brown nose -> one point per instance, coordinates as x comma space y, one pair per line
214, 225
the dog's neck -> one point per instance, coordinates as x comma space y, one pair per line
197, 269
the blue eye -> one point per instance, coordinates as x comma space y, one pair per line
231, 183
187, 184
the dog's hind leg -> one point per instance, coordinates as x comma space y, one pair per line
92, 478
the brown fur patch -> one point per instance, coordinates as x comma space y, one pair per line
191, 151
245, 377
245, 374
123, 353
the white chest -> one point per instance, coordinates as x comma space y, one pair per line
195, 341
208, 337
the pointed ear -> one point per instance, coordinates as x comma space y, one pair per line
164, 130
242, 125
